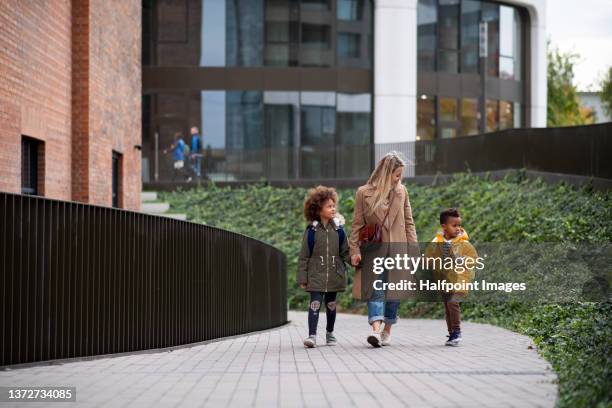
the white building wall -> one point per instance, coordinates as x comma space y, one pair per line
538, 68
395, 71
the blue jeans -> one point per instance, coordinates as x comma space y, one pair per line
196, 163
381, 309
316, 299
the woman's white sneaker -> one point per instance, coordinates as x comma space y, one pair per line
385, 338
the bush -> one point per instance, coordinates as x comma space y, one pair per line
575, 338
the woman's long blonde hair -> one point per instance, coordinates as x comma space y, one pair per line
381, 177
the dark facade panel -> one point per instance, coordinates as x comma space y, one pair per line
470, 85
244, 79
305, 79
278, 79
355, 81
449, 85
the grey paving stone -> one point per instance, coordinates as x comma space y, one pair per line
492, 367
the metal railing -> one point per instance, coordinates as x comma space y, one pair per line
81, 280
578, 150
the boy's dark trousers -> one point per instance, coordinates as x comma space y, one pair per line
316, 300
452, 311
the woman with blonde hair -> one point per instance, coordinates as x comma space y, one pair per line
384, 201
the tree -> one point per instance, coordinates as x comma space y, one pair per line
606, 92
563, 102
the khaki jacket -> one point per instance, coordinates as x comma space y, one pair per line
400, 232
402, 227
325, 270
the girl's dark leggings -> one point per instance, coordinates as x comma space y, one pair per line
316, 299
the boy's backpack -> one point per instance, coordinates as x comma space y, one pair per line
186, 150
311, 238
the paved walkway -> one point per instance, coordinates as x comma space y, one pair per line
493, 367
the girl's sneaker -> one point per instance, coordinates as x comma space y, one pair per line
330, 339
454, 339
310, 342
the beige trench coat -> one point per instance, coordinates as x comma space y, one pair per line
401, 229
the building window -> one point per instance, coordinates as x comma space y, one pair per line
490, 14
492, 115
116, 188
316, 36
426, 118
448, 25
31, 163
517, 115
318, 131
253, 33
281, 43
506, 120
349, 10
316, 46
244, 33
244, 120
506, 39
470, 19
319, 5
281, 121
470, 116
448, 109
353, 117
517, 41
348, 45
353, 120
427, 17
448, 42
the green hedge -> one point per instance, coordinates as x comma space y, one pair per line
575, 338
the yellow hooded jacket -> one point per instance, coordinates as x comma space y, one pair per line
461, 248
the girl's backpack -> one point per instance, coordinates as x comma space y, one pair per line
311, 238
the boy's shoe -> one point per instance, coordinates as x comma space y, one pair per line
454, 339
374, 339
385, 338
330, 339
310, 342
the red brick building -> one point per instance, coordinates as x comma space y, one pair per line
70, 100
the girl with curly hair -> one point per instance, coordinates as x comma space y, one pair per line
322, 261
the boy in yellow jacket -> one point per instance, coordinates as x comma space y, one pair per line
452, 242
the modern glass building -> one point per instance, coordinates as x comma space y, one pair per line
293, 89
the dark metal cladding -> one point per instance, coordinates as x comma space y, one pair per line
80, 280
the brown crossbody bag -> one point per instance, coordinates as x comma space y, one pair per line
372, 233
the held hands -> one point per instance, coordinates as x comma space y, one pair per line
355, 259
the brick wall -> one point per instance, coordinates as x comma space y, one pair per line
71, 78
80, 101
115, 98
35, 86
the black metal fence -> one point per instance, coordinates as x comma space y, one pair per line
576, 150
81, 280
